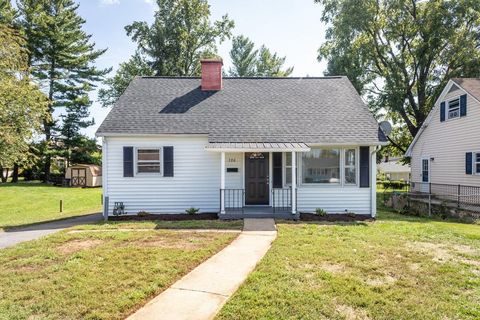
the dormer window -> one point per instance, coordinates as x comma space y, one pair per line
454, 108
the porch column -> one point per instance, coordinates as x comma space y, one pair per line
222, 183
294, 182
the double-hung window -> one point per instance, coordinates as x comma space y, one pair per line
350, 167
453, 110
288, 168
148, 160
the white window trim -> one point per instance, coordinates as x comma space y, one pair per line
475, 162
342, 183
135, 161
357, 167
447, 104
285, 168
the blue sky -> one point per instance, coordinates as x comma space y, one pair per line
290, 28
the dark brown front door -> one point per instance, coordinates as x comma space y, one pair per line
256, 178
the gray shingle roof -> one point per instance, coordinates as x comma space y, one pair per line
471, 85
308, 110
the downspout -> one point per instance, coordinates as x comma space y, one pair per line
373, 181
105, 178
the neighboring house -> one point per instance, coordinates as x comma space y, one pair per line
394, 169
84, 175
239, 146
446, 150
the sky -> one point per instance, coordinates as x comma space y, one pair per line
292, 28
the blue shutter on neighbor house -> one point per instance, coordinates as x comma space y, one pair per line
168, 161
469, 163
442, 111
128, 161
364, 167
463, 105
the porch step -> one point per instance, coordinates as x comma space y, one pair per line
252, 215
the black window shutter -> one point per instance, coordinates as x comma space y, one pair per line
168, 161
442, 111
469, 163
463, 105
277, 169
364, 167
128, 161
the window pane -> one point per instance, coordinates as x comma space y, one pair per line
321, 166
149, 167
350, 176
478, 168
350, 157
477, 156
288, 176
149, 155
288, 159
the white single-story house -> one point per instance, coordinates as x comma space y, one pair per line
240, 146
446, 149
394, 169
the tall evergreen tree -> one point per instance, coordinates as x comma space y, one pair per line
249, 62
62, 60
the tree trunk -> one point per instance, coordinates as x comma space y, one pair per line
3, 176
15, 174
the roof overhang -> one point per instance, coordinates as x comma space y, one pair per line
256, 147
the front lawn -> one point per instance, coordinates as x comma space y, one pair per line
395, 268
31, 202
94, 274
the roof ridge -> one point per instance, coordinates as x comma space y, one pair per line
241, 78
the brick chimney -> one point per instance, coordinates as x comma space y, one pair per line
211, 74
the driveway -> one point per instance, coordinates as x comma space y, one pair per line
14, 236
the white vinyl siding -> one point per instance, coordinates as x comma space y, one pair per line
234, 180
447, 143
196, 182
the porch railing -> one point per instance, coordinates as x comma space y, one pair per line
233, 199
282, 199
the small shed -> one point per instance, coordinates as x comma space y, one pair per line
84, 175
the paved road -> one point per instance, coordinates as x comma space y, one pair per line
14, 236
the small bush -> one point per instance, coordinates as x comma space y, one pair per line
350, 214
143, 213
320, 212
192, 210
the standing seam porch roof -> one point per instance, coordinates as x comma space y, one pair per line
274, 110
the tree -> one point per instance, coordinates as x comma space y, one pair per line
400, 54
248, 62
180, 35
22, 105
244, 57
116, 85
62, 61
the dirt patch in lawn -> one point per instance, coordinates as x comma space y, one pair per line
166, 217
167, 244
351, 313
332, 267
77, 245
381, 281
438, 252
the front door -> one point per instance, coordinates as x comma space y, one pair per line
256, 178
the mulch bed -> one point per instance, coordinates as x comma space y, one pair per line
334, 217
166, 217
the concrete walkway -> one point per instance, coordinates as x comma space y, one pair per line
14, 236
201, 293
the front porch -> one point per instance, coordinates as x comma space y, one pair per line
258, 179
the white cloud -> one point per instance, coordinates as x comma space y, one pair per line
109, 2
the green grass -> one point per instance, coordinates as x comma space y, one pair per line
99, 275
159, 224
395, 268
26, 203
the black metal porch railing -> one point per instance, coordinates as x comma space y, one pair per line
466, 197
282, 199
233, 199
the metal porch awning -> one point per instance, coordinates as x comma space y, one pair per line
257, 147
